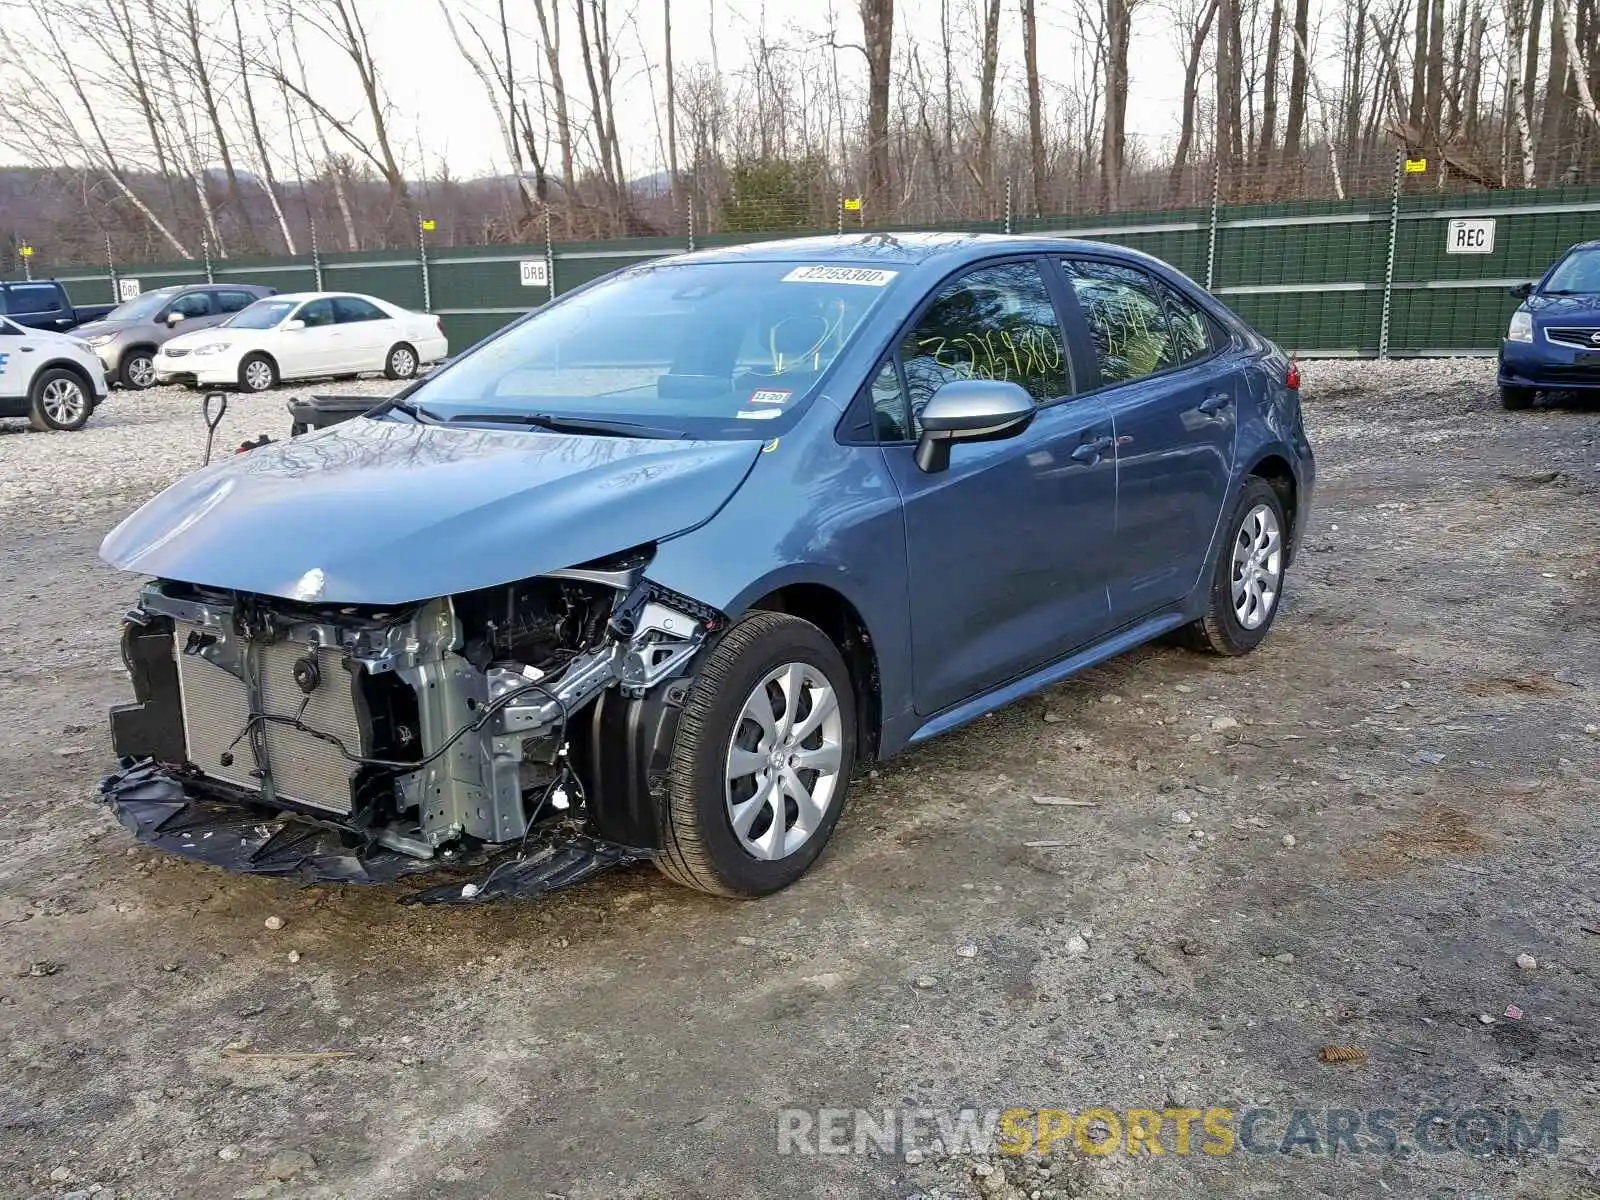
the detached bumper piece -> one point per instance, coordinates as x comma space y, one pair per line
153, 804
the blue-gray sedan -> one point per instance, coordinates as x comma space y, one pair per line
650, 573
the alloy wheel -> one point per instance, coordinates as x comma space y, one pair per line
783, 761
1257, 566
141, 371
63, 401
403, 363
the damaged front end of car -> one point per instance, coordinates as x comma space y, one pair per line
514, 737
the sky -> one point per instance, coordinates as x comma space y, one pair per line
440, 101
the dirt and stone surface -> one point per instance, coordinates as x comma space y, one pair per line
1347, 838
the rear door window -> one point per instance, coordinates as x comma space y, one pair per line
350, 309
232, 302
1126, 315
1192, 335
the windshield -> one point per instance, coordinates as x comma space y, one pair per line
144, 308
263, 314
1578, 273
701, 349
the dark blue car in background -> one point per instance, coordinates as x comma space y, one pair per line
1553, 341
650, 573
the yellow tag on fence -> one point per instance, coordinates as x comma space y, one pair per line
429, 224
852, 204
1416, 166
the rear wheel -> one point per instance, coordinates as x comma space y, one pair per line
138, 370
1516, 398
762, 759
257, 373
58, 400
401, 362
1247, 578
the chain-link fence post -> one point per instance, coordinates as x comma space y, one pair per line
841, 212
111, 273
205, 251
316, 257
422, 257
691, 226
1388, 268
1211, 234
1008, 204
25, 252
550, 251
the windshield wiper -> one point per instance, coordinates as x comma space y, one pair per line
416, 412
557, 424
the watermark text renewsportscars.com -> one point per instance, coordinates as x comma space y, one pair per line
1216, 1131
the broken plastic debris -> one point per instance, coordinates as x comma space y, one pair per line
1513, 1012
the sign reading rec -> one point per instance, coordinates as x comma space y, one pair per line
1470, 236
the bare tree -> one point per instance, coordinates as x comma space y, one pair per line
1200, 30
1030, 60
877, 32
1119, 29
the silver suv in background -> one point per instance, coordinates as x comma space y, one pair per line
127, 337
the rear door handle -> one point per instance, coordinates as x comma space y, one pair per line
1093, 452
1215, 403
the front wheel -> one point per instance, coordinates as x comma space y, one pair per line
257, 373
762, 759
1247, 579
138, 370
59, 400
1515, 399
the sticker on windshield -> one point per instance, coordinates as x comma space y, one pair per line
865, 276
758, 414
769, 396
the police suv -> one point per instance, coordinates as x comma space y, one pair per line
53, 379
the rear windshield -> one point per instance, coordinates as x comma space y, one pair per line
263, 314
708, 349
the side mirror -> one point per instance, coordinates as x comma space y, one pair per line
173, 318
1522, 291
970, 410
291, 326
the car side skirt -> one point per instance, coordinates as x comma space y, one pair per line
1096, 652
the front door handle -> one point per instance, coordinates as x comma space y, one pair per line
1093, 452
1215, 403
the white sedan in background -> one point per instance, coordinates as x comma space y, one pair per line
302, 336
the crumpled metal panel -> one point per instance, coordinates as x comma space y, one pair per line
152, 802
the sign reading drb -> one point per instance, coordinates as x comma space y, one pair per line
1470, 236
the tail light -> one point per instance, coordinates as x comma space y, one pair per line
438, 323
1292, 379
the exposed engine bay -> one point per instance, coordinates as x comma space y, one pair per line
349, 741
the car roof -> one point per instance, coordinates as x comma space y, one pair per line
939, 251
297, 297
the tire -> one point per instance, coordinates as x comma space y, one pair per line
59, 399
401, 362
252, 376
1515, 399
701, 847
137, 371
1256, 517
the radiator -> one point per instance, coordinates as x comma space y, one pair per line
305, 769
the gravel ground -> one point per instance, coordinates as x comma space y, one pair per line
1345, 839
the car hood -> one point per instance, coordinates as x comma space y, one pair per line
376, 511
96, 328
1584, 309
205, 337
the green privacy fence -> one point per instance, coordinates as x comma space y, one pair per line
1356, 278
